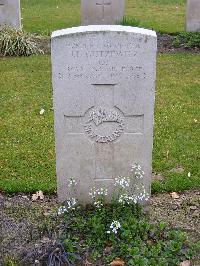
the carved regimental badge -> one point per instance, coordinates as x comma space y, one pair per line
104, 125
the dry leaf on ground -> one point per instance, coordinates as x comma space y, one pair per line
117, 262
175, 195
108, 249
38, 195
186, 263
87, 263
42, 111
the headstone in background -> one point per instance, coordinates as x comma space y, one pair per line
101, 12
193, 16
10, 14
103, 83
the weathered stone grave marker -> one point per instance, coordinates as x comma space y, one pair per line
193, 16
2, 2
94, 12
10, 14
103, 82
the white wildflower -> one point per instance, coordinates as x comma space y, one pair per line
62, 210
98, 204
125, 198
137, 170
189, 174
96, 192
70, 204
122, 182
72, 182
115, 226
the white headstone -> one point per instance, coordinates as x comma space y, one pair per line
103, 83
193, 16
101, 12
10, 14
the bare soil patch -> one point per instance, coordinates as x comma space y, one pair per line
165, 45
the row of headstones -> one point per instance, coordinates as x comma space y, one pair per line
103, 93
94, 12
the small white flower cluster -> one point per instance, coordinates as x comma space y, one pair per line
137, 170
125, 198
72, 182
115, 226
122, 182
70, 205
62, 210
143, 195
98, 204
97, 192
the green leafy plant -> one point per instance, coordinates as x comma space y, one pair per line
122, 231
119, 229
130, 21
187, 40
15, 42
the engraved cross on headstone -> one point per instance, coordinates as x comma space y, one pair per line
104, 149
103, 4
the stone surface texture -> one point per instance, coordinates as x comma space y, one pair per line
10, 14
104, 89
101, 12
193, 16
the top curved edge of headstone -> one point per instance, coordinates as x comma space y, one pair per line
102, 28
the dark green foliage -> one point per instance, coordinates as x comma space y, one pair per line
187, 40
137, 242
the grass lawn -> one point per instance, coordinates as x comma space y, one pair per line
48, 15
27, 146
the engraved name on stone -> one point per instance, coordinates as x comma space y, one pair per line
105, 54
